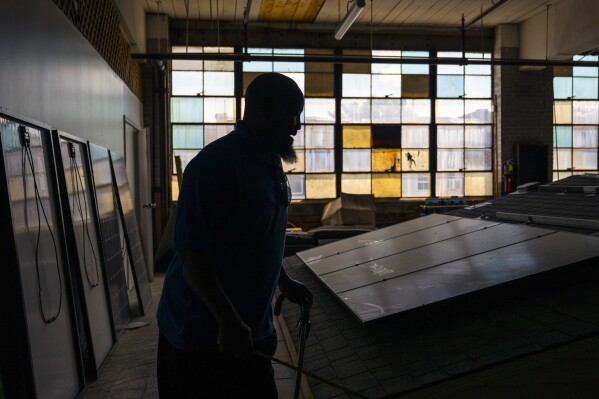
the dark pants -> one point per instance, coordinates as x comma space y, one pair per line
212, 375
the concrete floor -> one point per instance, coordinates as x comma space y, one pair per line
130, 370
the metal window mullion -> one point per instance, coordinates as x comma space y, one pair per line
338, 130
432, 133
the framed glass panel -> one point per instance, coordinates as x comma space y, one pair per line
186, 156
356, 160
387, 86
258, 66
326, 67
415, 111
186, 83
414, 159
319, 110
356, 68
414, 136
219, 109
478, 137
585, 88
219, 65
562, 159
585, 112
478, 111
320, 161
415, 185
561, 175
386, 68
562, 112
354, 183
478, 159
213, 132
356, 137
298, 78
477, 86
562, 87
416, 86
321, 186
562, 136
355, 110
281, 66
386, 136
449, 184
584, 158
478, 184
386, 185
185, 65
319, 136
219, 83
450, 69
474, 69
451, 86
584, 137
450, 159
319, 84
585, 71
386, 111
299, 166
188, 136
450, 136
449, 111
299, 138
298, 186
187, 109
356, 85
414, 69
386, 160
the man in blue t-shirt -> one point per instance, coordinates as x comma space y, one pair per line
215, 309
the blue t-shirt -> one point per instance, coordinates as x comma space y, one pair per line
232, 204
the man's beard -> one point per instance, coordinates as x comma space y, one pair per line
285, 150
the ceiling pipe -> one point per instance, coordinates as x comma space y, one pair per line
362, 60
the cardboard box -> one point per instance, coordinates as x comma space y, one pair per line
350, 209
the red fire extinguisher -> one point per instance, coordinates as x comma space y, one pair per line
508, 172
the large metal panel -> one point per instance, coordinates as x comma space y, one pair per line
431, 255
45, 289
422, 238
132, 238
374, 237
112, 244
79, 212
469, 274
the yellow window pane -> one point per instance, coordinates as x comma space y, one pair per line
248, 77
187, 65
414, 159
174, 188
319, 84
562, 71
356, 68
414, 86
562, 112
297, 167
356, 137
478, 184
386, 185
386, 160
355, 183
320, 186
319, 66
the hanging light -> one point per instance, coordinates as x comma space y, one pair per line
349, 18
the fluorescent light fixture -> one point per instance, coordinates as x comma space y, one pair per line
349, 18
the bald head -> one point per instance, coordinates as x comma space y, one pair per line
273, 104
270, 93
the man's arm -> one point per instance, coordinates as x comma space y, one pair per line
295, 291
199, 268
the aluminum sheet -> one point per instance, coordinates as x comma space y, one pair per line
374, 237
423, 238
470, 274
431, 256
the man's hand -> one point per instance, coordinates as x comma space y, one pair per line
235, 338
295, 291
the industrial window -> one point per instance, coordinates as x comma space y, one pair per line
404, 130
202, 104
575, 119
